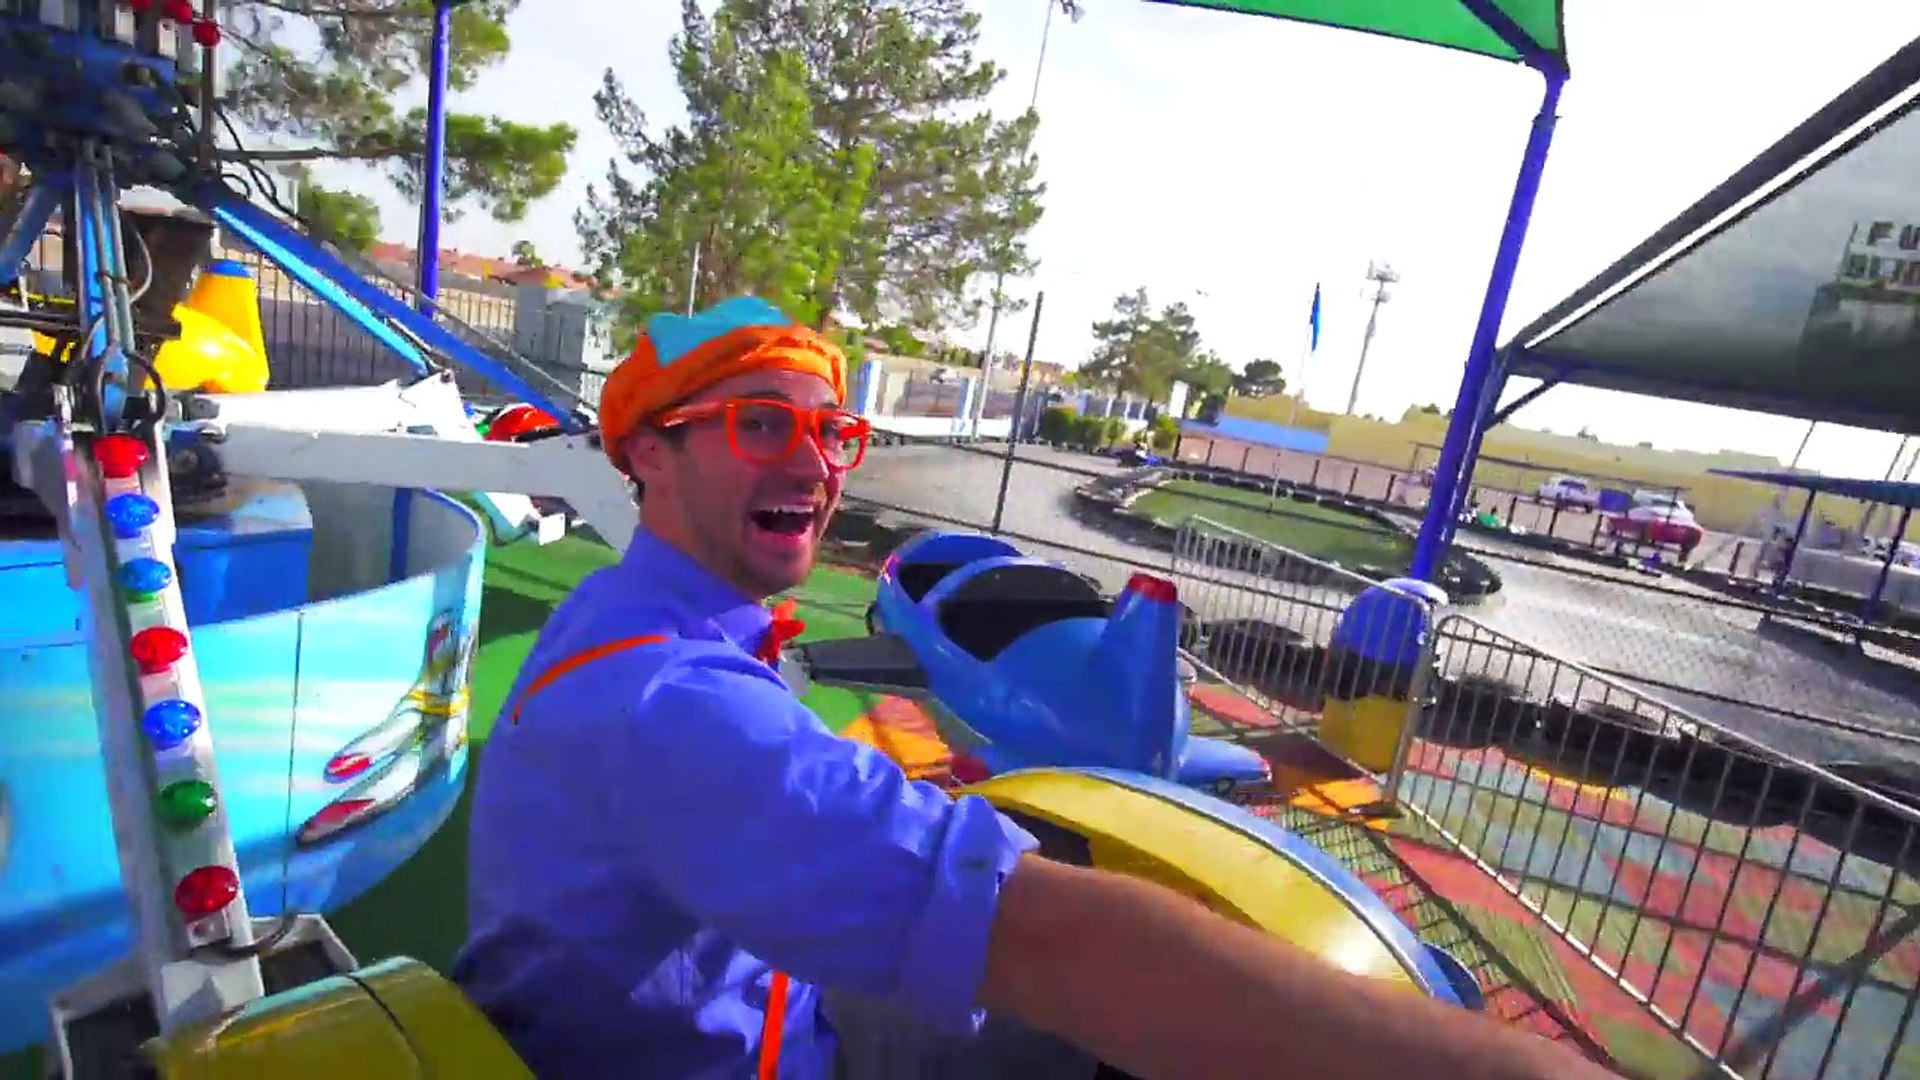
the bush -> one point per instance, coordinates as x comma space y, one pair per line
1165, 433
1057, 424
1112, 430
1089, 431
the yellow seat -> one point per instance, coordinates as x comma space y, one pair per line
1129, 829
1365, 731
396, 1019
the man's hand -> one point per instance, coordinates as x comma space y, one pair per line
1157, 985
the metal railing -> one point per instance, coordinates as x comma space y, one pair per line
1760, 908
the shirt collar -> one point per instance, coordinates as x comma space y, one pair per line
693, 590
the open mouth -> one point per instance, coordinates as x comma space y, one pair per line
791, 522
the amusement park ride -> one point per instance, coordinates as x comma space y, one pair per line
96, 98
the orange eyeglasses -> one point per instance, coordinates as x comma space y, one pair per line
764, 431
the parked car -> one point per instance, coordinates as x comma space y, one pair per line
1568, 492
1658, 517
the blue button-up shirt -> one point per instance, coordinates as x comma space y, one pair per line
662, 827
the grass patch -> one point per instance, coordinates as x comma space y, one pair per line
1313, 529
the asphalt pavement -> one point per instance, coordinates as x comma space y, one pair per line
1770, 680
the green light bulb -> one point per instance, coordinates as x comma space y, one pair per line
184, 804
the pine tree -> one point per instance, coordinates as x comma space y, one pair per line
323, 74
846, 140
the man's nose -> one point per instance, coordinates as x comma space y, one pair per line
808, 460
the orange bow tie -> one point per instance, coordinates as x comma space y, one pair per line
786, 626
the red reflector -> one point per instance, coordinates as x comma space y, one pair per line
347, 766
1153, 588
332, 818
967, 769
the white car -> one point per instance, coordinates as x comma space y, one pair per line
1568, 492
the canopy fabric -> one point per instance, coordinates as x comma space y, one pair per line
1897, 493
1793, 288
1448, 23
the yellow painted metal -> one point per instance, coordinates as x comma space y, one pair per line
449, 1035
1134, 833
325, 1030
1365, 731
394, 1021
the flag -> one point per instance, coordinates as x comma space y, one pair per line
1313, 319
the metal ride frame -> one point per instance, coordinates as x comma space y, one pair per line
101, 105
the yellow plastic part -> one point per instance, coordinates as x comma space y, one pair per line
210, 356
395, 1020
1137, 834
233, 301
1365, 731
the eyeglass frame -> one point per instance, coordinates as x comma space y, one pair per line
807, 420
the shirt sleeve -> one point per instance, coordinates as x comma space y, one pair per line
814, 852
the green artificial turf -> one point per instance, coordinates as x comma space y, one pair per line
1320, 531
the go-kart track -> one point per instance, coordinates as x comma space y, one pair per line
1779, 683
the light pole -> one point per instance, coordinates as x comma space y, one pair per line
1073, 11
1382, 276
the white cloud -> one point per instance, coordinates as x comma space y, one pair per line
1196, 152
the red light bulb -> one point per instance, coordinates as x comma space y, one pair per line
179, 11
206, 891
158, 648
206, 33
120, 456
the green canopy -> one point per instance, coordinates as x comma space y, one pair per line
1451, 23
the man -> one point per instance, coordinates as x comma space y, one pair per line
671, 855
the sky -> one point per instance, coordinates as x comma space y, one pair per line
1231, 163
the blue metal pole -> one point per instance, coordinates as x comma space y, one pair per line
433, 184
433, 190
1793, 551
1886, 570
1495, 386
1469, 411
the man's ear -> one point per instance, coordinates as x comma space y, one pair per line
645, 454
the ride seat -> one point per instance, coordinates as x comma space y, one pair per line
918, 579
992, 610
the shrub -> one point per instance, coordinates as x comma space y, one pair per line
1057, 424
1165, 433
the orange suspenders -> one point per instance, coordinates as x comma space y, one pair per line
773, 1026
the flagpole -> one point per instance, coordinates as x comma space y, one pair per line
1306, 354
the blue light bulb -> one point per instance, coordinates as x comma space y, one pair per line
130, 515
142, 579
170, 723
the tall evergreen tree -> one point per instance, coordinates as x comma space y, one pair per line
887, 190
323, 74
